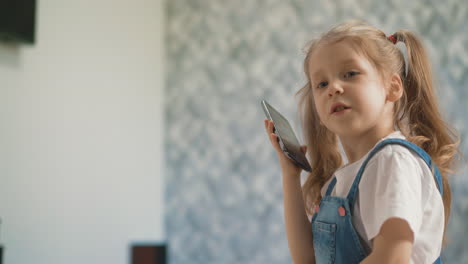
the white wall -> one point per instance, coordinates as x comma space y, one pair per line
81, 117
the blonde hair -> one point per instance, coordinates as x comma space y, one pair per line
416, 114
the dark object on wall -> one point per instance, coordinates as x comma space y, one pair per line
149, 254
17, 20
1, 248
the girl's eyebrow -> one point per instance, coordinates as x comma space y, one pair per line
315, 74
349, 61
345, 62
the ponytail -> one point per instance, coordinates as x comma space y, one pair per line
426, 127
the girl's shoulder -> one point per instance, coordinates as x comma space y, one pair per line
397, 155
399, 163
396, 151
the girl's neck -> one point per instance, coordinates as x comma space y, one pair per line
355, 147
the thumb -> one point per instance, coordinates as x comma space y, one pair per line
304, 149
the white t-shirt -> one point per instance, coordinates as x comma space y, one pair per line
396, 183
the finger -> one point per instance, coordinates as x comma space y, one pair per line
270, 127
267, 127
273, 128
268, 123
275, 141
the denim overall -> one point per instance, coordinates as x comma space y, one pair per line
335, 239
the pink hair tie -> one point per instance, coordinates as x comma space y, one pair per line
392, 39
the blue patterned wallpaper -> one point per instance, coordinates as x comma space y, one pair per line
223, 185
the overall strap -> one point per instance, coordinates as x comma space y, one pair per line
331, 186
423, 154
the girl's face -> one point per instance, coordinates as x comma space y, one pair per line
339, 75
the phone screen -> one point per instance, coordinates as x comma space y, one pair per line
288, 140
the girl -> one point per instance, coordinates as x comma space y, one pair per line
391, 202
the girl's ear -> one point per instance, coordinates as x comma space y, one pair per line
395, 89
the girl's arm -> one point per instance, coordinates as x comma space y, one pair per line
393, 244
298, 227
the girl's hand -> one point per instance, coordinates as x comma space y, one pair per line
287, 166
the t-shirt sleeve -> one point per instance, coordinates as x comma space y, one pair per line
391, 187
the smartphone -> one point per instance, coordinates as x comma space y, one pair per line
287, 139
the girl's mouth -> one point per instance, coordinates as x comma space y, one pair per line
341, 111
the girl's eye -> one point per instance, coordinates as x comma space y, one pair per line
322, 84
347, 75
350, 74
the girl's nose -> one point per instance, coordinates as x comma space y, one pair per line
334, 88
